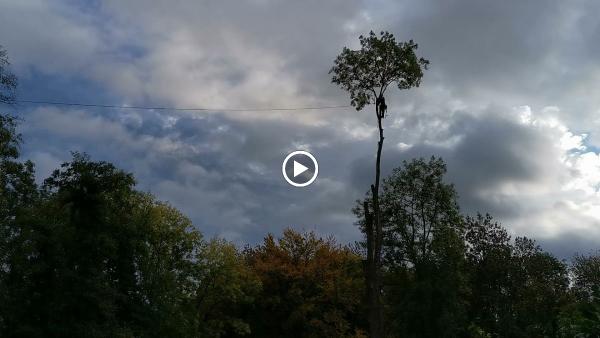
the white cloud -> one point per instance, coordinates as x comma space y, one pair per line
564, 199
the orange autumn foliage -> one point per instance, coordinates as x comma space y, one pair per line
311, 286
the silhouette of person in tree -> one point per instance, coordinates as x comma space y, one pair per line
380, 103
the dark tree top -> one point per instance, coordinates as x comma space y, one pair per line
366, 73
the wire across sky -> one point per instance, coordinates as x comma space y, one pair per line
82, 104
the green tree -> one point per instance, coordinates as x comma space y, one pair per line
309, 287
227, 290
540, 284
581, 318
424, 253
95, 258
59, 278
489, 257
366, 74
17, 184
168, 250
586, 272
18, 191
517, 290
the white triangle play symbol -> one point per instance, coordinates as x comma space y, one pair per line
299, 168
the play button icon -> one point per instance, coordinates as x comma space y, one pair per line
300, 168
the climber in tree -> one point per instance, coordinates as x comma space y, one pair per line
382, 107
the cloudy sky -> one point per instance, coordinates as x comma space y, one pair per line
509, 102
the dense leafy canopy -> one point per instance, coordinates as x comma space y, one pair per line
366, 73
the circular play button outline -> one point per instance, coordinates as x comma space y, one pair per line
312, 158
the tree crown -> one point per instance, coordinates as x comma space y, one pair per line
366, 73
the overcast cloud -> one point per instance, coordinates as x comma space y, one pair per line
508, 102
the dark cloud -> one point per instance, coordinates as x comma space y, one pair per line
484, 105
224, 173
509, 53
566, 247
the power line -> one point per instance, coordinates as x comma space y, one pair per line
79, 104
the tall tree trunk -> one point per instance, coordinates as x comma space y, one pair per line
374, 244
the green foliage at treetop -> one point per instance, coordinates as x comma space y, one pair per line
367, 72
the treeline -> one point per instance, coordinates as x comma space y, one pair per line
87, 255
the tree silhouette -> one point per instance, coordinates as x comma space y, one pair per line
8, 81
366, 74
423, 252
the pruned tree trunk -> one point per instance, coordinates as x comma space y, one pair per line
374, 245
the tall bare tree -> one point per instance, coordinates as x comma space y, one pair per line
366, 74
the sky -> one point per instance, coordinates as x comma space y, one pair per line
509, 102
